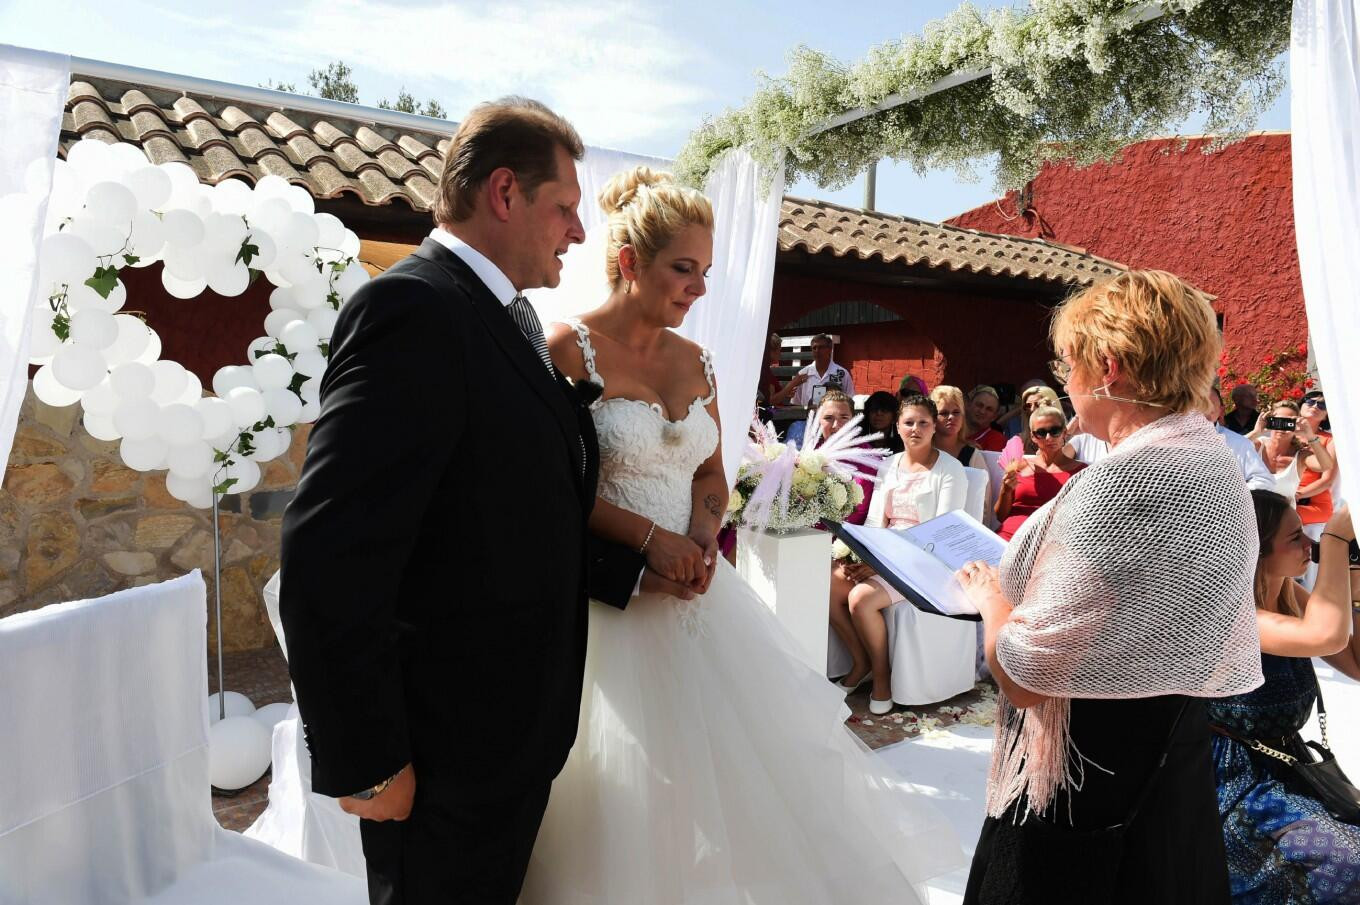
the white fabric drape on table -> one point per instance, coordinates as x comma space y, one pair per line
1324, 73
732, 318
33, 89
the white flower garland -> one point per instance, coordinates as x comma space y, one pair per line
109, 209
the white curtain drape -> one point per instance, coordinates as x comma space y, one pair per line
33, 89
1324, 72
732, 318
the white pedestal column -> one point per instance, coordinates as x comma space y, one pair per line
792, 574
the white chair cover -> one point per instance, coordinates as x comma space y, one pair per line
933, 658
994, 474
104, 791
979, 483
298, 821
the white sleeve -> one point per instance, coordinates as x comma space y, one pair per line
849, 383
878, 503
1254, 470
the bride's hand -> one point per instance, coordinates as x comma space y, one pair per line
709, 545
676, 557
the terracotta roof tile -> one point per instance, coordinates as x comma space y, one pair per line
148, 122
236, 119
371, 140
163, 149
187, 108
816, 226
327, 134
282, 126
134, 100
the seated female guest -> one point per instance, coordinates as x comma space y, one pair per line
983, 404
1022, 444
1031, 481
915, 485
880, 417
950, 425
1117, 609
1283, 845
1315, 486
833, 413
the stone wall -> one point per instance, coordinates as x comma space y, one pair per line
76, 523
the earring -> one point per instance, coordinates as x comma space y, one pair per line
628, 287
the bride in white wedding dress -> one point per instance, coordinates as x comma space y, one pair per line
711, 765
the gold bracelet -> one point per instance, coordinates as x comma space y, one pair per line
650, 532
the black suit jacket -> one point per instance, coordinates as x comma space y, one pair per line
435, 556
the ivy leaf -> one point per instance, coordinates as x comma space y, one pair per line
333, 299
254, 275
245, 443
104, 280
339, 267
222, 488
221, 455
61, 325
295, 386
129, 260
247, 253
268, 422
325, 347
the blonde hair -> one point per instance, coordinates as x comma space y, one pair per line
646, 209
838, 397
946, 393
1047, 411
1050, 401
1160, 329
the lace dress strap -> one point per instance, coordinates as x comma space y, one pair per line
587, 352
707, 358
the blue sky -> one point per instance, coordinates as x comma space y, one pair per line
636, 75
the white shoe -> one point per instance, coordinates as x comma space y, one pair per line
878, 708
851, 689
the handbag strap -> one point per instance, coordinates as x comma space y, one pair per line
1161, 762
1322, 711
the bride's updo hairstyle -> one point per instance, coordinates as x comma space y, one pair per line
646, 209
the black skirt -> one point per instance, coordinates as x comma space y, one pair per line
1171, 854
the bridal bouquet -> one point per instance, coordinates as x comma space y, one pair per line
782, 487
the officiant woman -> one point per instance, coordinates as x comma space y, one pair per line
1118, 609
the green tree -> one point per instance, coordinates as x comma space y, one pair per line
290, 87
334, 82
406, 103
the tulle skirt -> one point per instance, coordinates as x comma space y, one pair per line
712, 765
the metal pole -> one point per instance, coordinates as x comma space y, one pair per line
870, 185
217, 593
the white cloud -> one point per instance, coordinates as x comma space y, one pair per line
605, 65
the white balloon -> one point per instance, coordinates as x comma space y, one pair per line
271, 186
100, 399
323, 320
190, 460
117, 298
281, 297
299, 336
311, 391
78, 367
67, 258
79, 297
183, 180
265, 250
150, 185
224, 232
265, 446
311, 292
262, 346
312, 363
42, 342
171, 379
186, 487
311, 410
104, 238
145, 454
180, 424
68, 190
111, 202
229, 281
247, 405
125, 158
269, 213
183, 228
350, 244
153, 348
193, 389
331, 232
136, 418
231, 196
276, 320
217, 417
300, 199
272, 371
99, 426
50, 390
91, 159
93, 328
232, 376
270, 715
283, 406
201, 500
187, 263
238, 752
132, 380
272, 273
182, 289
349, 282
295, 266
147, 238
132, 339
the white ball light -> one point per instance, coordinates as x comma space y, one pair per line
100, 399
99, 426
93, 328
111, 202
299, 336
183, 228
145, 454
180, 424
270, 715
67, 258
216, 414
276, 320
132, 380
50, 390
323, 320
230, 377
247, 405
190, 460
78, 367
137, 419
283, 406
238, 752
150, 185
312, 363
272, 371
230, 280
133, 338
171, 379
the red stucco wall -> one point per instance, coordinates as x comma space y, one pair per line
1223, 221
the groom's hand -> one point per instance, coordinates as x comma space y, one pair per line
653, 583
392, 803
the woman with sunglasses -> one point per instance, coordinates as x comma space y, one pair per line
1315, 480
1022, 444
1031, 481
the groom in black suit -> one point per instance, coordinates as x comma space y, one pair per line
436, 563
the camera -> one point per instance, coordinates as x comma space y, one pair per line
1280, 424
1354, 551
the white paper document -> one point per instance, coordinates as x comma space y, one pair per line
921, 561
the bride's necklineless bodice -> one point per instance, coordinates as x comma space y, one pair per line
647, 461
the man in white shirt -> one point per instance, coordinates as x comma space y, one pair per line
809, 385
1249, 460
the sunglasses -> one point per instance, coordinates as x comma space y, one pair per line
1046, 432
1316, 403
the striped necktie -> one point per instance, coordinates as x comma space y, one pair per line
527, 320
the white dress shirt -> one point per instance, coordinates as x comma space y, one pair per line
836, 377
1249, 460
490, 275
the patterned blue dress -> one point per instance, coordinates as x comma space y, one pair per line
1283, 848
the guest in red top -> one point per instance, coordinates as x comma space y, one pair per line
983, 404
1031, 481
